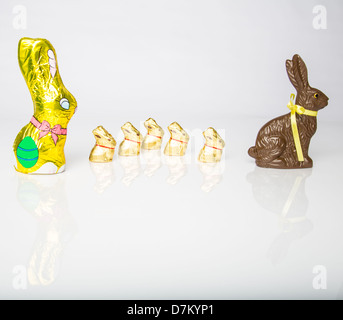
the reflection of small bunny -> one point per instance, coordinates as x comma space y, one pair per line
275, 146
104, 174
103, 151
131, 145
177, 144
132, 169
177, 169
153, 139
212, 175
152, 160
213, 148
39, 146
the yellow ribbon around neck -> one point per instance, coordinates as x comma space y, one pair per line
295, 109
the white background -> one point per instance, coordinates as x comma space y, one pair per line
188, 231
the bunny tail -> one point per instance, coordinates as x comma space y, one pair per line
252, 152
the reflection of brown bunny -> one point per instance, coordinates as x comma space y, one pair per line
153, 139
177, 144
131, 145
283, 193
103, 151
213, 148
275, 146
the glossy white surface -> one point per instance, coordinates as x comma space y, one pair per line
157, 228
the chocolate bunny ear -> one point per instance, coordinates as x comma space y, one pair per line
37, 61
297, 72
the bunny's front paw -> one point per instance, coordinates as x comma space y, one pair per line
49, 168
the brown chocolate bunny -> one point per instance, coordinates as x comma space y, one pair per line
275, 146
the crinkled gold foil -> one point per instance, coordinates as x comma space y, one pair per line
213, 148
177, 144
154, 136
39, 146
105, 144
131, 145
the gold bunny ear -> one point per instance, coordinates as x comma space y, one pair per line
38, 64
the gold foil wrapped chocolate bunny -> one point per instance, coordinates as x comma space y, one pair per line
213, 148
177, 144
103, 151
39, 146
131, 145
153, 139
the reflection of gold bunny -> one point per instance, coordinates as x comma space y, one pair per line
132, 169
212, 175
153, 139
46, 201
104, 174
103, 151
177, 144
152, 160
213, 148
39, 146
131, 145
177, 169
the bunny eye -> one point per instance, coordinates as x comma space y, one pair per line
316, 95
64, 103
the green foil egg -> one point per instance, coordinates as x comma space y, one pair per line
27, 153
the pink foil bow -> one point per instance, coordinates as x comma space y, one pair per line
45, 128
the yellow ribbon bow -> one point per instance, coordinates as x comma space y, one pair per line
295, 109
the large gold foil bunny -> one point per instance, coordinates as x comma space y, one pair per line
39, 146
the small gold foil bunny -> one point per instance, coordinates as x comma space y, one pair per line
153, 139
103, 151
177, 144
213, 148
131, 145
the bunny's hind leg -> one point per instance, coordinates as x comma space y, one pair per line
268, 150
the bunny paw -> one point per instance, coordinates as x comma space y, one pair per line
49, 168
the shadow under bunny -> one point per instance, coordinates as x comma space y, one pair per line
44, 197
283, 193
